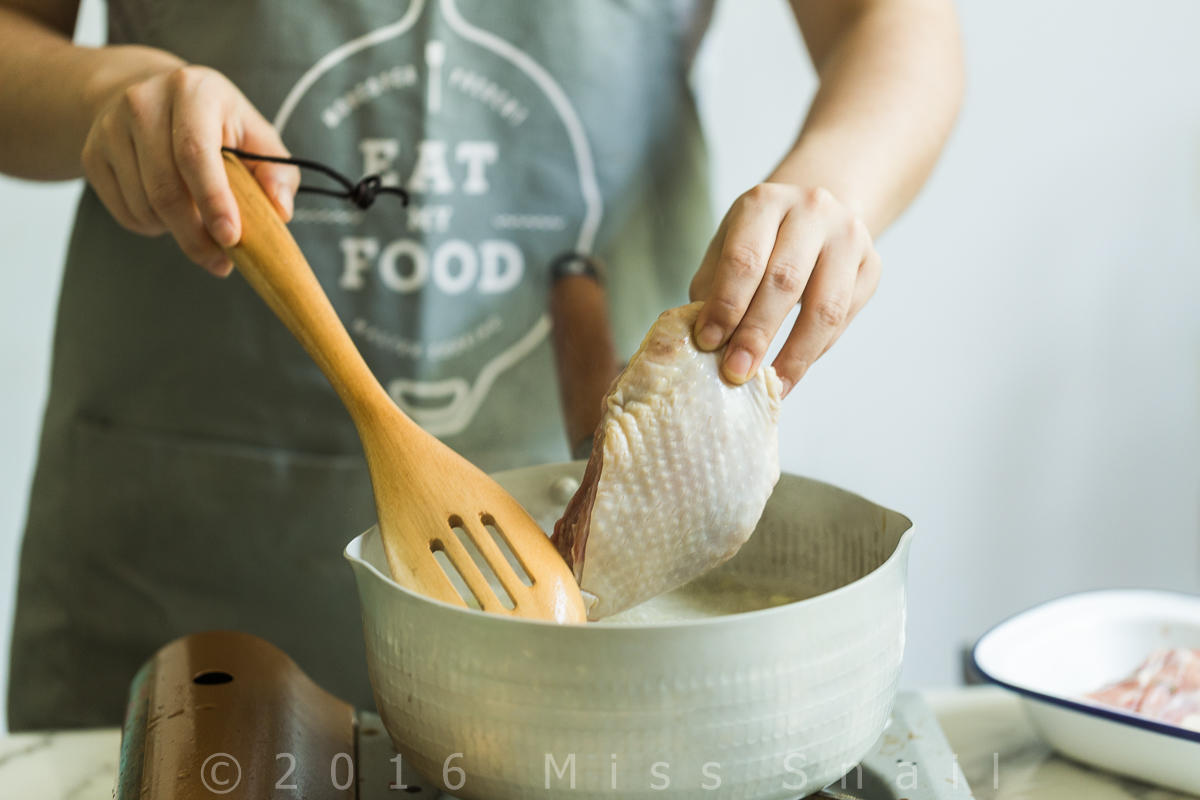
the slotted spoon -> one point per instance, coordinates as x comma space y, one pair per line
423, 489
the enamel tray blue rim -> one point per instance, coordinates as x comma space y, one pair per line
1103, 712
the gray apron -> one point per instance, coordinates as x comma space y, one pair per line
196, 471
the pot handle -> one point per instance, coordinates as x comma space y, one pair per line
584, 354
210, 713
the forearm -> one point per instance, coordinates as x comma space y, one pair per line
51, 89
891, 82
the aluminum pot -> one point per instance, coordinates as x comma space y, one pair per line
774, 703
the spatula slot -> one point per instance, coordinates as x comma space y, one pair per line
485, 567
501, 541
438, 548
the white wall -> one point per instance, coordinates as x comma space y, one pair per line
1026, 383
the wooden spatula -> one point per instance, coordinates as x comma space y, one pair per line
423, 489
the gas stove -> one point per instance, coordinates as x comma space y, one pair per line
225, 714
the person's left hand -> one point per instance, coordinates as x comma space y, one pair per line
780, 245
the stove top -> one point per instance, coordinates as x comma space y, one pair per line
911, 761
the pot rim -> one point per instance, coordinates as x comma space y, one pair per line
353, 554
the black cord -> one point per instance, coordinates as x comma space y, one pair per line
361, 194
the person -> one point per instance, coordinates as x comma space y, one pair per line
195, 470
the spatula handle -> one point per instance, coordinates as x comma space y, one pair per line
271, 262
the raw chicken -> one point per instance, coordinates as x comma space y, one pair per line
679, 474
1165, 687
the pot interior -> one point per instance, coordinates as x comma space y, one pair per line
813, 538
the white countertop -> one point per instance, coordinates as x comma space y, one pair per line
997, 750
1002, 759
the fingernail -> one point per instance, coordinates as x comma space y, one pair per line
710, 336
284, 198
224, 232
221, 267
787, 387
737, 364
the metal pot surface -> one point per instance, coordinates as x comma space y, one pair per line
773, 703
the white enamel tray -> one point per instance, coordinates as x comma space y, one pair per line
1054, 654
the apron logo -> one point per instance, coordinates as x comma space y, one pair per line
493, 266
448, 295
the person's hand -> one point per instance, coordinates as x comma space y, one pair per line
153, 155
780, 245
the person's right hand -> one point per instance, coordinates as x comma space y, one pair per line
153, 155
